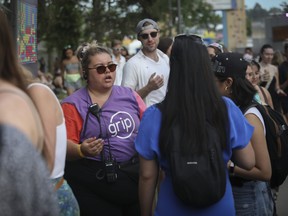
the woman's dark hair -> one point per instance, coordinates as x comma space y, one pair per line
67, 47
253, 62
164, 44
242, 91
265, 46
192, 97
10, 68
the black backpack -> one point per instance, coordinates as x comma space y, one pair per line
199, 179
277, 142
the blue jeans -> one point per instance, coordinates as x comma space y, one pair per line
253, 198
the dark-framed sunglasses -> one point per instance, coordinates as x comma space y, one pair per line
102, 68
196, 38
152, 34
118, 49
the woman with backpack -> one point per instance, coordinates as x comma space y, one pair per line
251, 191
192, 102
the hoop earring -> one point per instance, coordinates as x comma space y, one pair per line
226, 88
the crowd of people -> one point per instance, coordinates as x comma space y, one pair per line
104, 149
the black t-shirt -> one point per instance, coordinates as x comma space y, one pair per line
283, 73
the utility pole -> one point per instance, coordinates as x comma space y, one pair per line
179, 17
170, 17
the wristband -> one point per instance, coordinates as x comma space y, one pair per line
80, 152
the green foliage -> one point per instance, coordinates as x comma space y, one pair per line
59, 23
284, 6
62, 22
257, 13
200, 14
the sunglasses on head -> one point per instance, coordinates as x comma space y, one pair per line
145, 36
102, 68
67, 47
196, 38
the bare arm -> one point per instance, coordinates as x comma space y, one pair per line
269, 98
262, 169
154, 83
284, 85
244, 157
147, 185
277, 85
46, 105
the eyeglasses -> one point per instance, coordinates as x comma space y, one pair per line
145, 36
102, 68
118, 49
196, 38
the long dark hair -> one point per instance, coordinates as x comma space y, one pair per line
10, 68
242, 91
192, 97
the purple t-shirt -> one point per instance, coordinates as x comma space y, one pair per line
119, 119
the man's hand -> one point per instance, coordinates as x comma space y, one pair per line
155, 81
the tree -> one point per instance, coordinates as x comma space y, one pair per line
63, 22
284, 6
257, 13
59, 23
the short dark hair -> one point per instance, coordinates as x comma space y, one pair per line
116, 42
265, 46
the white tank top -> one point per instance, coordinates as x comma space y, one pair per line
61, 141
255, 111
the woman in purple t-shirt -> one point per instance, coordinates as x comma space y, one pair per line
102, 122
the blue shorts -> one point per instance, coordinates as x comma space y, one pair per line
67, 202
253, 198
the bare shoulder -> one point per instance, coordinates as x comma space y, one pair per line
40, 90
45, 100
15, 108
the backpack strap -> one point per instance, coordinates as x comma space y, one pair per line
264, 95
251, 104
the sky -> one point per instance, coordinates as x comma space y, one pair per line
266, 4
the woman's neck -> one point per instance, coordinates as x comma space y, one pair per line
264, 63
99, 97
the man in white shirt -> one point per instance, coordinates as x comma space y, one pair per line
147, 72
119, 60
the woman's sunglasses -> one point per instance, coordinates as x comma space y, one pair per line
102, 68
145, 36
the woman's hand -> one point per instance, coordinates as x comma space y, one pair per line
92, 146
281, 92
